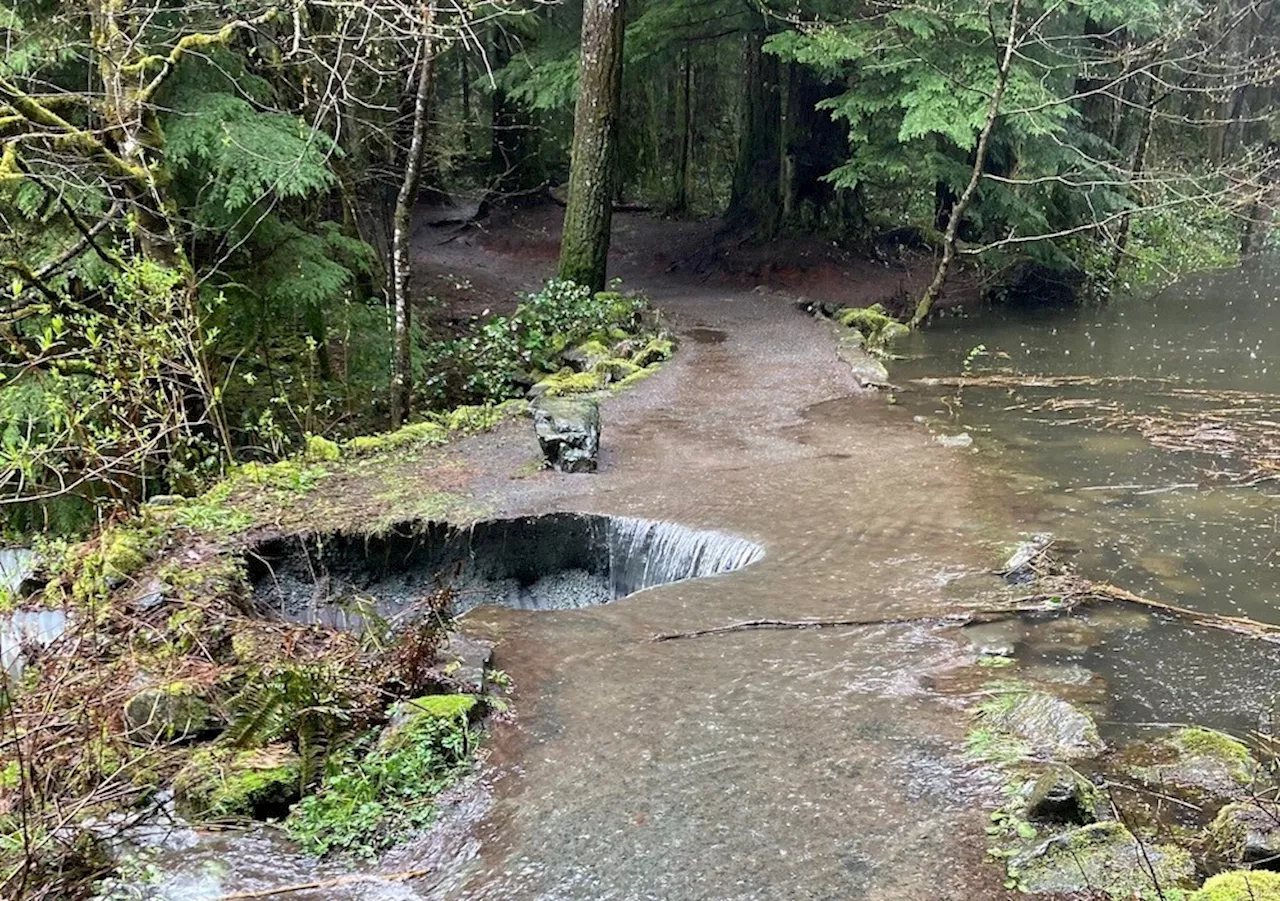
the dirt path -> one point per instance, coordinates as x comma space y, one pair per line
753, 765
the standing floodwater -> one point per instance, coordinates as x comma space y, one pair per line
1147, 432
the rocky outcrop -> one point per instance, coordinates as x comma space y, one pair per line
1103, 857
568, 431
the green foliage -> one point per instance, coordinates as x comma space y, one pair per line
371, 799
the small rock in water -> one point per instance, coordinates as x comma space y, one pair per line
1051, 727
963, 439
1061, 795
998, 639
1204, 760
1247, 833
568, 431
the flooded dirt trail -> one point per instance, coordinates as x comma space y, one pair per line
777, 764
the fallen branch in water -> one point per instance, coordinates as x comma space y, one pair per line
1073, 593
323, 884
950, 618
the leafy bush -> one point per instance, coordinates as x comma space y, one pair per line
372, 801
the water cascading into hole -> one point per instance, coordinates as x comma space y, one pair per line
553, 562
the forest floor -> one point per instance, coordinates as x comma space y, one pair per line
812, 764
517, 247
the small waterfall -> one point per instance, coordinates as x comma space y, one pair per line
644, 553
557, 561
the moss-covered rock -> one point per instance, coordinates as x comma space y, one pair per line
418, 433
1196, 758
874, 326
1102, 857
321, 450
1061, 795
1245, 833
1240, 885
223, 782
172, 712
565, 382
638, 376
613, 370
1051, 728
656, 351
405, 716
586, 355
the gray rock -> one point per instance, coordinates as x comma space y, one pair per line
868, 372
466, 660
584, 357
963, 439
1247, 833
1103, 857
1052, 728
1061, 795
174, 712
568, 430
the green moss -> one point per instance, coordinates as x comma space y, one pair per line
480, 417
637, 376
223, 782
427, 434
172, 712
593, 349
566, 381
613, 370
321, 450
439, 706
1209, 742
1240, 885
656, 351
1102, 857
876, 328
109, 560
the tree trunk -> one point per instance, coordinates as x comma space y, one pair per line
684, 133
1137, 163
975, 174
814, 145
584, 247
756, 201
402, 224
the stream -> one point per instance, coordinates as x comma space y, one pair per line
1155, 471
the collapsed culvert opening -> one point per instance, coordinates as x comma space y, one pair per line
558, 561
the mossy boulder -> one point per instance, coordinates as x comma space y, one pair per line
1061, 795
417, 433
1102, 857
613, 370
1051, 728
321, 450
1240, 885
404, 716
172, 712
638, 376
568, 431
656, 351
1203, 760
586, 355
224, 782
1246, 833
566, 382
875, 326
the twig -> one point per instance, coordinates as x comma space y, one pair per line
323, 883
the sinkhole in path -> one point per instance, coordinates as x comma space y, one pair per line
558, 561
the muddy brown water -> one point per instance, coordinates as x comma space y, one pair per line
765, 764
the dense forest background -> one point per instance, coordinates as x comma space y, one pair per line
207, 206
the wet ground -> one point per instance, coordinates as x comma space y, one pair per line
758, 764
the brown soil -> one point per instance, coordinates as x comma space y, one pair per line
483, 266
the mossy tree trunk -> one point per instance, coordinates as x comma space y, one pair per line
756, 202
402, 223
588, 217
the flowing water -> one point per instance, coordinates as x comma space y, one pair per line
1157, 466
811, 763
